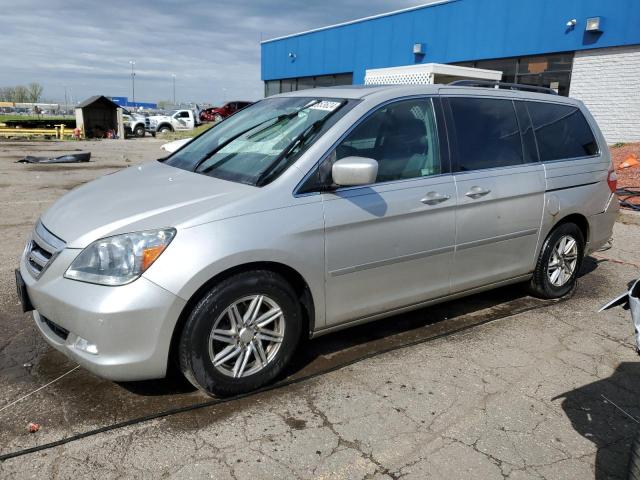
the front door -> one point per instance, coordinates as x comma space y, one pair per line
390, 244
500, 190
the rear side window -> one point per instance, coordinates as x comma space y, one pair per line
561, 131
486, 133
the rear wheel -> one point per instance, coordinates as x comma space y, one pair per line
241, 334
559, 262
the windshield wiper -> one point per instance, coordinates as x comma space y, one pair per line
277, 119
298, 141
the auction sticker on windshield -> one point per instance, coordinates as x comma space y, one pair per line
326, 105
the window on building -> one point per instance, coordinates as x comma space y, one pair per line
305, 83
486, 133
288, 85
401, 136
550, 71
561, 131
273, 87
508, 67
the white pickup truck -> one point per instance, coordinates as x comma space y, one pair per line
134, 124
174, 121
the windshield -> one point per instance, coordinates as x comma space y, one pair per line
259, 142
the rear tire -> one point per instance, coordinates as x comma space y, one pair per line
559, 262
223, 324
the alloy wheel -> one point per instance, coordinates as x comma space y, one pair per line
246, 336
563, 261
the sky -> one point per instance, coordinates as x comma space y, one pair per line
212, 47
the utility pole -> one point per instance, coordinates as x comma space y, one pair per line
133, 83
173, 76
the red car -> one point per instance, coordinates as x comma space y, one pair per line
215, 114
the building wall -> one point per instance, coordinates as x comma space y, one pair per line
455, 31
607, 80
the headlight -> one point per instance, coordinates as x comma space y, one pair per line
119, 259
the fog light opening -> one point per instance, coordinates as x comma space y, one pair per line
84, 346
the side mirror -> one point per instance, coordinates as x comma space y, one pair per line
352, 171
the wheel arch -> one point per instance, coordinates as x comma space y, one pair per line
295, 279
579, 220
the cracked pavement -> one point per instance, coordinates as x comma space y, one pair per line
546, 391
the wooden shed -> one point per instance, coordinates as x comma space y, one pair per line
98, 117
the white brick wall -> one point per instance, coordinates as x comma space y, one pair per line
607, 80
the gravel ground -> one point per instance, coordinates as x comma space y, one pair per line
544, 390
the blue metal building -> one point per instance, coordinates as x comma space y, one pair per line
556, 43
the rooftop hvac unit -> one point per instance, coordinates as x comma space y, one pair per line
427, 73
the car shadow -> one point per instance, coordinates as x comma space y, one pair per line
607, 413
329, 351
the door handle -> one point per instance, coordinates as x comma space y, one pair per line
433, 198
477, 192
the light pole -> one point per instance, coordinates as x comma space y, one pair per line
133, 83
173, 77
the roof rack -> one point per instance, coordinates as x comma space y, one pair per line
502, 85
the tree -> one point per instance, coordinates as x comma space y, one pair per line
21, 94
34, 91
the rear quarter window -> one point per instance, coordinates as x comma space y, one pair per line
561, 131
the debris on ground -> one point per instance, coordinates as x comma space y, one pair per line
625, 160
33, 427
68, 158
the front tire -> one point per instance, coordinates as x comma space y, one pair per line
164, 130
139, 131
559, 262
241, 334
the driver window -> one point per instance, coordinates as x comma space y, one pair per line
401, 136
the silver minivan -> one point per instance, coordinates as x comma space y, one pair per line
313, 211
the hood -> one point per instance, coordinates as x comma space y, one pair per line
145, 197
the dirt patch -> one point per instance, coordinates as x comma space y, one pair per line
627, 177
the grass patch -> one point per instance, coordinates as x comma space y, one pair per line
7, 117
185, 133
618, 145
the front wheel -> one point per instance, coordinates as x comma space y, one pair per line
139, 131
241, 334
164, 130
559, 262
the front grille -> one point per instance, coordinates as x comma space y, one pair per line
42, 249
146, 122
62, 333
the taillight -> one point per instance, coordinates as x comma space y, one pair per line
612, 180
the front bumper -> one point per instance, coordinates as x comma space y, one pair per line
131, 325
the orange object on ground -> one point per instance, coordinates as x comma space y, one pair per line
630, 161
